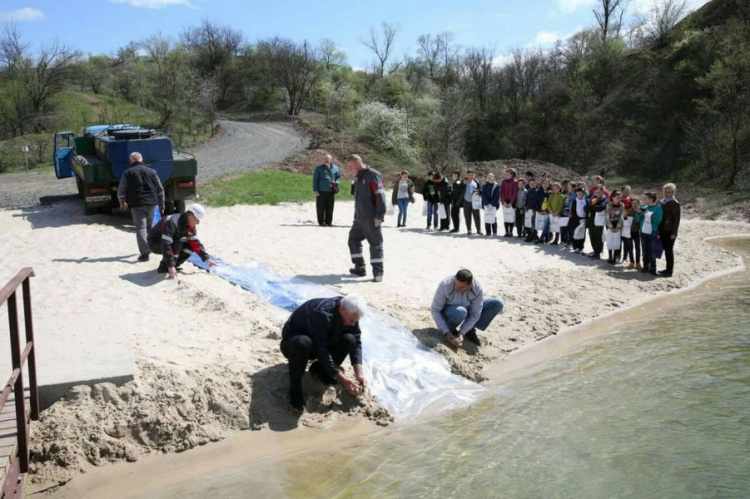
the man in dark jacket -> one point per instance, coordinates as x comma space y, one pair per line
326, 181
140, 190
444, 198
175, 238
325, 330
457, 200
670, 224
369, 213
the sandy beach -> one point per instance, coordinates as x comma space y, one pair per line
207, 352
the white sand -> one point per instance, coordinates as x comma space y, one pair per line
207, 351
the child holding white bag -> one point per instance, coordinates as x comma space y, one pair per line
615, 212
490, 204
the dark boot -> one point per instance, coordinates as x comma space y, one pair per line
359, 271
297, 400
471, 335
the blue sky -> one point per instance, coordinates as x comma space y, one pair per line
102, 26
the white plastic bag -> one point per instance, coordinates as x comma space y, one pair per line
554, 224
627, 225
528, 221
580, 231
614, 240
476, 201
541, 220
563, 222
424, 208
490, 214
599, 218
647, 226
509, 215
442, 214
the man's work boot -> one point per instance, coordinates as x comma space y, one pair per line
144, 258
359, 271
471, 335
297, 400
377, 278
317, 370
162, 269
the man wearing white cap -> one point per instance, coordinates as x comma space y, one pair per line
175, 238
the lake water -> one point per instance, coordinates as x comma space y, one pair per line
657, 407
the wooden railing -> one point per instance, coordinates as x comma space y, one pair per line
18, 462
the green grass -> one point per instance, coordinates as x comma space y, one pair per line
262, 187
76, 110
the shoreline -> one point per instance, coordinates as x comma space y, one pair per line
245, 447
218, 360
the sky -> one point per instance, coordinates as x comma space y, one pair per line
102, 26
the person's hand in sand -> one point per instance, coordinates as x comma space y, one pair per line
350, 386
360, 376
454, 338
172, 273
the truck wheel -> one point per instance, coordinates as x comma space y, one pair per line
179, 206
169, 207
79, 185
90, 210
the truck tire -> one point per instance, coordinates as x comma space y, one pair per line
79, 185
168, 207
90, 210
179, 206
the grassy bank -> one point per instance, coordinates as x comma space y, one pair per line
262, 187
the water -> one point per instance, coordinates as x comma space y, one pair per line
657, 407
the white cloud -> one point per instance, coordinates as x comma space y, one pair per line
502, 60
153, 4
573, 5
546, 38
22, 15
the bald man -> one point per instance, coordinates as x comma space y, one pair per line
140, 190
326, 180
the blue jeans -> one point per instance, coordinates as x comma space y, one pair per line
455, 315
649, 254
545, 231
403, 205
432, 213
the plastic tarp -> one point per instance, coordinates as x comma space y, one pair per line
405, 377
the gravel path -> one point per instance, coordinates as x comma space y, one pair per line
243, 146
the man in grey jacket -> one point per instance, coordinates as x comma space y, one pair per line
140, 190
369, 212
459, 308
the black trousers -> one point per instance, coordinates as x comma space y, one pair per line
520, 218
595, 234
668, 243
456, 216
445, 223
468, 212
324, 204
365, 229
299, 351
155, 246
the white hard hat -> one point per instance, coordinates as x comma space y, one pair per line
197, 210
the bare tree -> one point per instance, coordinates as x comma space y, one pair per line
212, 45
429, 50
207, 98
381, 45
442, 136
478, 70
169, 77
663, 17
609, 16
293, 66
330, 54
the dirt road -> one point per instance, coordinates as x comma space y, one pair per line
243, 146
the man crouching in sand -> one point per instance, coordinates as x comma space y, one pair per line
325, 330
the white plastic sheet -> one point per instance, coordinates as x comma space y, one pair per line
406, 377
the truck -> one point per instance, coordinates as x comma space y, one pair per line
101, 154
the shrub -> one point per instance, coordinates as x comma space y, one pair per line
385, 127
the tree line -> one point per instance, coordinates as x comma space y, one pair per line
654, 95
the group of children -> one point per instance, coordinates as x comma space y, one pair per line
563, 214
